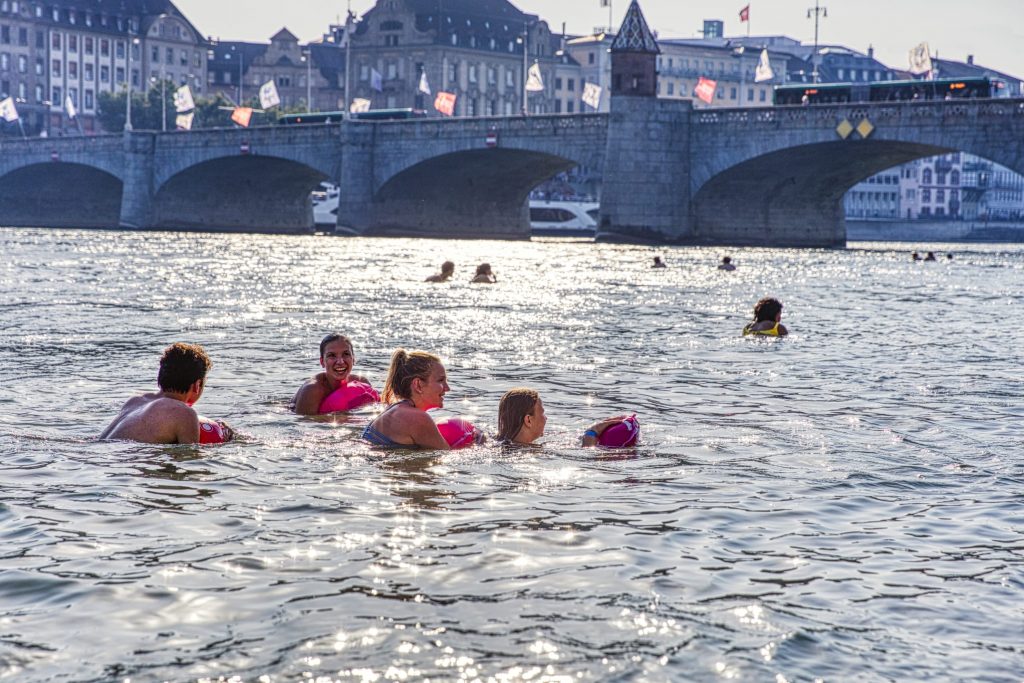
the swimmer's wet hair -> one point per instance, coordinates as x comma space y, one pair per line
513, 408
766, 309
333, 337
405, 367
181, 366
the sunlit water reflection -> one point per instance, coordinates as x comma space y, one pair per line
843, 504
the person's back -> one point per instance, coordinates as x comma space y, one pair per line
153, 418
726, 264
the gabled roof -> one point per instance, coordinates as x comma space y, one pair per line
492, 9
634, 34
285, 34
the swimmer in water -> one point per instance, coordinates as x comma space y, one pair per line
167, 416
767, 317
416, 383
658, 263
484, 275
447, 270
521, 419
726, 264
930, 256
337, 358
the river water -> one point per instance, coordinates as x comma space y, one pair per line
844, 504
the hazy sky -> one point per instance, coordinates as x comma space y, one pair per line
991, 30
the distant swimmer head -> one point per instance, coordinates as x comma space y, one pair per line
483, 269
726, 260
767, 308
621, 435
447, 268
521, 416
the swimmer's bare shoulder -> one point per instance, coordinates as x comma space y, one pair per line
154, 419
310, 395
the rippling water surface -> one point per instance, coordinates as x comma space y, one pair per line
844, 504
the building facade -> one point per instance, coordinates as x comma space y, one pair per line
66, 52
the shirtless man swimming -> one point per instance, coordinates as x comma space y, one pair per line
167, 416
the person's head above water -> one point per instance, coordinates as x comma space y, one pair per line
483, 269
330, 339
416, 376
181, 366
521, 416
767, 308
726, 260
447, 268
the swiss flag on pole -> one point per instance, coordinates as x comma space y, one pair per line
705, 89
745, 14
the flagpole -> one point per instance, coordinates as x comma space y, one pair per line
348, 60
526, 67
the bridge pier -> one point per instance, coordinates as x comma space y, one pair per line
137, 196
646, 187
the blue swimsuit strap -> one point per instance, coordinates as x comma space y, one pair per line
374, 436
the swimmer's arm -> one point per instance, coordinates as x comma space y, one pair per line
186, 425
309, 397
424, 433
782, 330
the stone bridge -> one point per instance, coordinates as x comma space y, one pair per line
772, 176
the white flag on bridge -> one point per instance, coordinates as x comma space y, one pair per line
920, 60
534, 81
268, 95
592, 95
763, 72
183, 101
8, 112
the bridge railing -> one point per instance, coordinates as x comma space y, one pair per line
827, 113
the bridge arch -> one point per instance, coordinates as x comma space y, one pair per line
60, 195
782, 181
239, 192
466, 193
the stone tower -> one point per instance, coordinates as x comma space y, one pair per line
635, 57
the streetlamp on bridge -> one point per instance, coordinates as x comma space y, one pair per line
132, 42
818, 12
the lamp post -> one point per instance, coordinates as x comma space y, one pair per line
307, 56
128, 86
241, 66
524, 39
818, 11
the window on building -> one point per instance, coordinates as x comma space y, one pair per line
926, 176
492, 75
940, 196
364, 72
453, 73
168, 56
104, 74
764, 96
926, 194
671, 88
510, 79
558, 106
22, 64
572, 85
104, 47
72, 69
39, 93
119, 75
940, 178
72, 43
571, 106
90, 75
58, 95
23, 37
55, 68
591, 58
392, 70
472, 73
55, 41
954, 178
558, 84
732, 93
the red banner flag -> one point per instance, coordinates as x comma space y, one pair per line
242, 116
745, 14
445, 103
705, 89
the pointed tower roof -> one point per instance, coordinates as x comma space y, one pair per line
634, 34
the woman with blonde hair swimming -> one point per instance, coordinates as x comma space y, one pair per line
416, 383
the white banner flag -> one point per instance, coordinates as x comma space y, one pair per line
535, 82
376, 80
69, 107
424, 84
183, 101
268, 95
763, 72
184, 121
8, 112
359, 105
592, 95
920, 60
